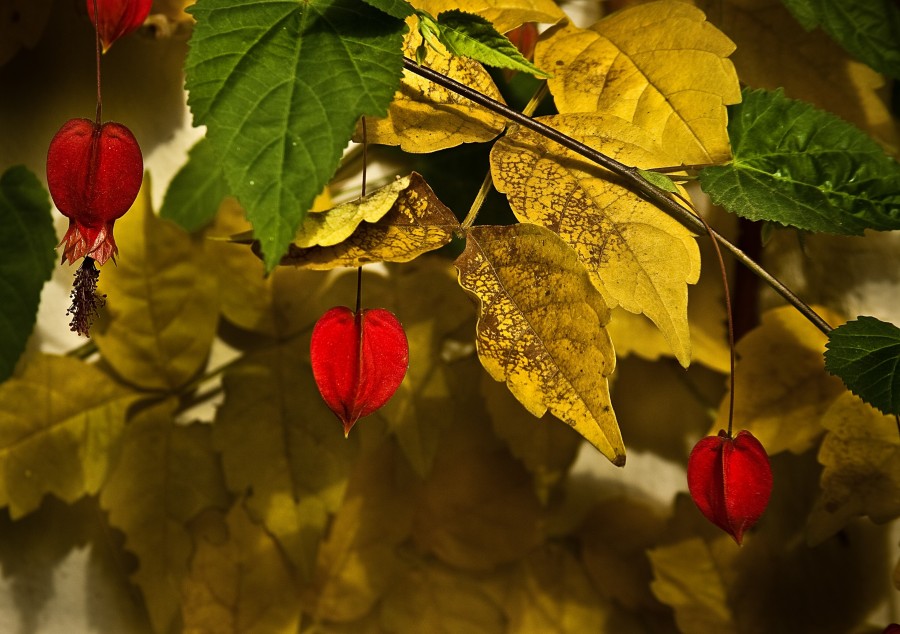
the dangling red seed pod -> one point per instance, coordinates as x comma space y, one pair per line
358, 360
893, 628
730, 480
94, 173
118, 18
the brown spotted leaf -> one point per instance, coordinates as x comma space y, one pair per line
541, 328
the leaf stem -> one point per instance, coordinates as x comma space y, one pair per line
629, 174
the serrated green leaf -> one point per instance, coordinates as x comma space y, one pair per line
199, 186
865, 354
396, 8
803, 167
870, 31
470, 35
280, 86
26, 260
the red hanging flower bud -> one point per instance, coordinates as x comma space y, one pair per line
358, 360
730, 480
118, 18
94, 173
893, 628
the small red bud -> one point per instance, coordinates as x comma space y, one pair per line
730, 480
118, 18
94, 173
358, 360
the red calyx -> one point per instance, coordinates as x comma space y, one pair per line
94, 173
358, 360
730, 481
118, 18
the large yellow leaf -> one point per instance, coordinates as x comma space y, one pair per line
358, 561
773, 51
281, 443
861, 456
424, 117
165, 475
781, 387
416, 223
660, 65
162, 301
541, 328
239, 583
638, 256
505, 14
60, 422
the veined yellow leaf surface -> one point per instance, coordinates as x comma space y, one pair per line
424, 117
239, 583
162, 301
505, 14
637, 255
174, 473
660, 65
60, 422
541, 328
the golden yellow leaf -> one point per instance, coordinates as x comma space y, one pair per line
424, 117
165, 475
281, 443
162, 301
60, 421
660, 65
861, 456
477, 509
278, 305
504, 14
434, 598
773, 51
781, 387
550, 592
240, 584
546, 446
358, 560
541, 328
638, 257
416, 223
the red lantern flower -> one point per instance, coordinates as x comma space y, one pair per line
118, 18
358, 360
94, 173
730, 480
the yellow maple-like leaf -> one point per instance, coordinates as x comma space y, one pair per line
424, 117
162, 301
541, 328
504, 14
60, 420
477, 510
861, 456
638, 256
280, 441
165, 475
774, 51
240, 583
781, 389
417, 222
660, 65
358, 560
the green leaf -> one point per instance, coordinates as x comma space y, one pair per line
280, 86
803, 167
396, 8
26, 260
659, 180
199, 186
865, 354
870, 31
470, 35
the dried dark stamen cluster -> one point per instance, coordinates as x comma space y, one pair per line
86, 302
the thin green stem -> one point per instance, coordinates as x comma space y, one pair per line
629, 174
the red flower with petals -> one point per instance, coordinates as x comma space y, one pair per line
118, 18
